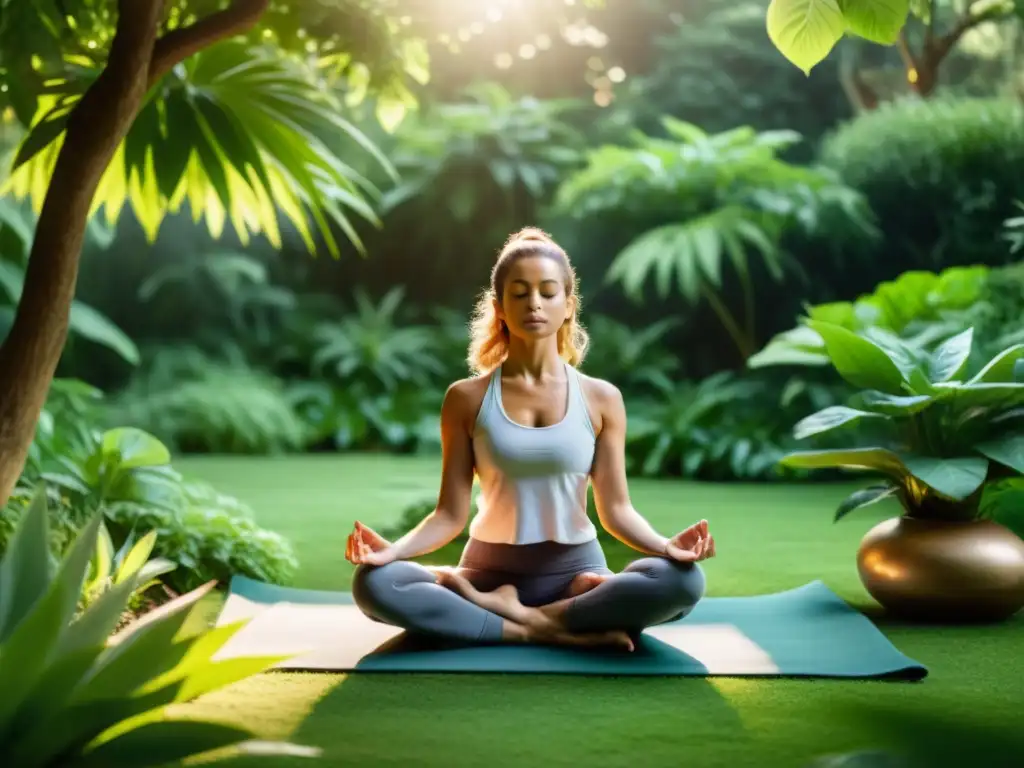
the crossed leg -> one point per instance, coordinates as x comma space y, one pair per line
416, 598
504, 601
647, 592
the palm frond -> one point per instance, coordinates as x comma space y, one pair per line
238, 133
692, 253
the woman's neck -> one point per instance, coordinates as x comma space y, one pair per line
533, 359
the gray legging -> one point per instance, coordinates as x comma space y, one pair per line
649, 591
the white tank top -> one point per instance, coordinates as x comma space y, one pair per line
533, 480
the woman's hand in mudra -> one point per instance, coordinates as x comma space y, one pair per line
367, 547
691, 545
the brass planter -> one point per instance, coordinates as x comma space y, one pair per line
938, 570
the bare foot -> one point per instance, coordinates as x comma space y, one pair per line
584, 582
612, 639
503, 601
539, 627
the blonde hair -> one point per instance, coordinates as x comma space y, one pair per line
489, 336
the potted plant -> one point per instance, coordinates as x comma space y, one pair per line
938, 438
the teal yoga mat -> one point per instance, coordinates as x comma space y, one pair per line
803, 632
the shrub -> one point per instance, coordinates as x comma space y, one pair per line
126, 474
940, 175
358, 417
210, 536
197, 403
725, 427
921, 308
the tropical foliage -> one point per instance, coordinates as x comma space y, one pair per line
74, 696
125, 474
962, 162
714, 204
519, 143
241, 132
921, 308
935, 431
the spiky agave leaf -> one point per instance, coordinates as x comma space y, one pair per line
73, 697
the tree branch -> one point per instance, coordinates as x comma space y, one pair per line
939, 48
177, 45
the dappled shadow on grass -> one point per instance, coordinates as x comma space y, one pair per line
511, 719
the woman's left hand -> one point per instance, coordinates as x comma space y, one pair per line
691, 545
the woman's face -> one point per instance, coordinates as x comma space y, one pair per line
533, 302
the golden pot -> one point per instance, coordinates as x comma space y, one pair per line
943, 570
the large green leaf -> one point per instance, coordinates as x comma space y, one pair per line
132, 448
829, 418
29, 649
859, 361
132, 558
217, 675
863, 498
48, 696
797, 346
84, 321
950, 358
95, 624
805, 31
145, 652
956, 478
879, 21
912, 362
878, 459
196, 661
895, 405
90, 324
25, 571
1008, 451
992, 396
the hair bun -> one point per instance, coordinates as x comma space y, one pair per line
532, 234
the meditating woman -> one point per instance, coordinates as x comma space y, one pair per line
536, 432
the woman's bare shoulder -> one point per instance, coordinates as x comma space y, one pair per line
464, 398
604, 400
600, 391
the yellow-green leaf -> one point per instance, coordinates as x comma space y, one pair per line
879, 21
805, 31
877, 459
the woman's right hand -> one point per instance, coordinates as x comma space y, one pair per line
367, 547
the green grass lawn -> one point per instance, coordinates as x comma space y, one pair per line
769, 538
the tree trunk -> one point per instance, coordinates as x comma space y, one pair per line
95, 128
926, 77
